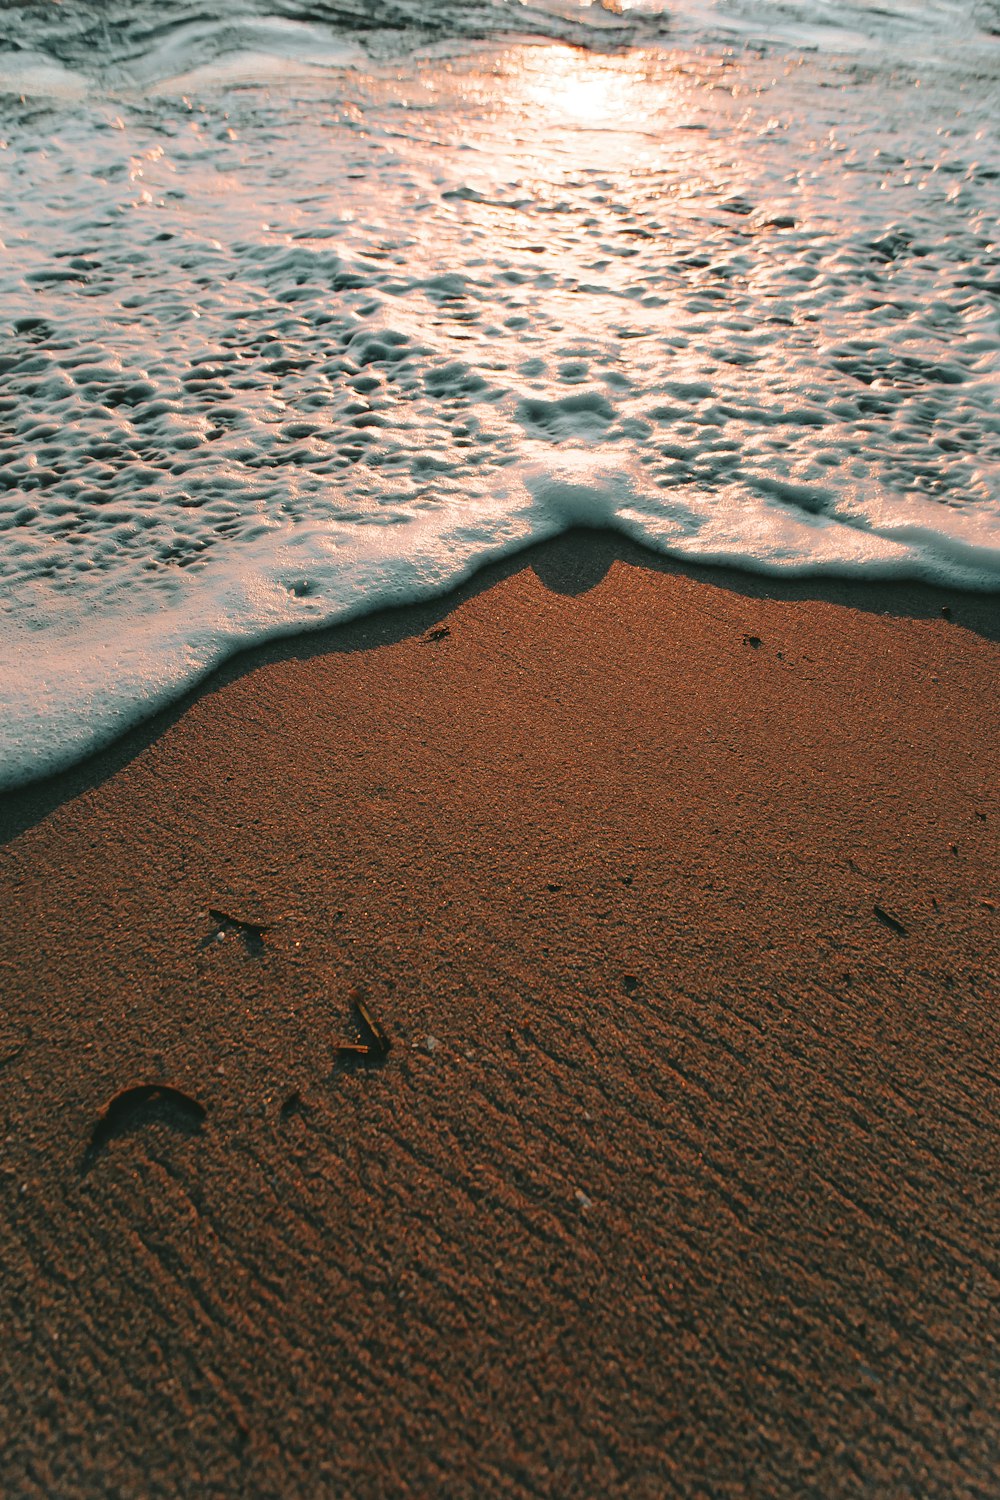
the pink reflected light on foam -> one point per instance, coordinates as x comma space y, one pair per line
579, 89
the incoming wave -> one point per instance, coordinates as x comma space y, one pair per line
139, 41
71, 47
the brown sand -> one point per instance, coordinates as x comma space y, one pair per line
681, 1176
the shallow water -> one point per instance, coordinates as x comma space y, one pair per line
287, 339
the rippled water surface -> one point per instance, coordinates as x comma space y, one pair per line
289, 333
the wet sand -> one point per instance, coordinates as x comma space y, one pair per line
675, 892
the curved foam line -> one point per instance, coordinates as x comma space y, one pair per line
78, 684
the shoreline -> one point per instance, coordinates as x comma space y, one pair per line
975, 610
675, 892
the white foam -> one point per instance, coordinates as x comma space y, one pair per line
35, 74
274, 358
86, 677
923, 29
128, 44
264, 50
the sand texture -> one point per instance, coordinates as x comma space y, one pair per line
675, 893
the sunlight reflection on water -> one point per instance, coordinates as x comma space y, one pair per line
587, 90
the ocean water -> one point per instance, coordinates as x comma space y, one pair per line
308, 308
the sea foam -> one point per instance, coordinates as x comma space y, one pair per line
273, 357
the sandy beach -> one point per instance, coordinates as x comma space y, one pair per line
675, 893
